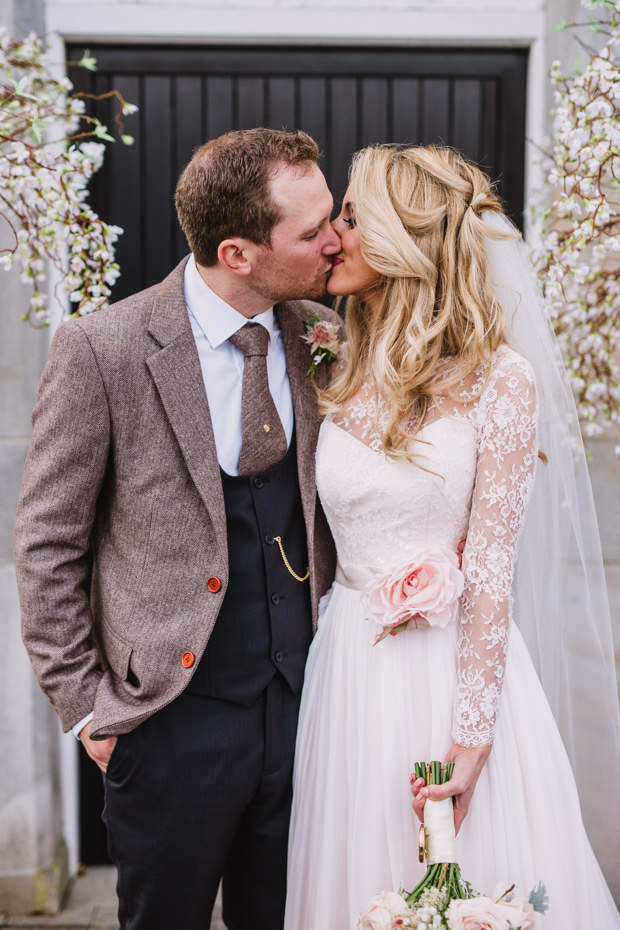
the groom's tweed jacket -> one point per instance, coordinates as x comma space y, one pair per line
121, 520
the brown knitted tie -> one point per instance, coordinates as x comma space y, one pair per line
263, 441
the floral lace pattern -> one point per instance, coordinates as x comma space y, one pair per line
480, 451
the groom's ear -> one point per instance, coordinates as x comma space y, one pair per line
236, 254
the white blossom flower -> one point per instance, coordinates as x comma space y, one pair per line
44, 187
575, 238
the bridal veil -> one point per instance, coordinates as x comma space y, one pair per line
560, 596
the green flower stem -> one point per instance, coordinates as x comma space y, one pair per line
442, 875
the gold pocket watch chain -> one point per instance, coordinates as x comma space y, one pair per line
297, 577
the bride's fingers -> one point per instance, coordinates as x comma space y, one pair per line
439, 792
418, 807
418, 799
460, 812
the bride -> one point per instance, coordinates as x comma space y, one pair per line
447, 414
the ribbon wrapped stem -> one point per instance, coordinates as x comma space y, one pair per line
440, 843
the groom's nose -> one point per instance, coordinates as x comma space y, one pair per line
332, 242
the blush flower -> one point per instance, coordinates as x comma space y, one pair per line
517, 911
384, 912
322, 337
475, 914
424, 593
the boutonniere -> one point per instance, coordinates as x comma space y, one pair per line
322, 337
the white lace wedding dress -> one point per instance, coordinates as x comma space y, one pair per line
370, 711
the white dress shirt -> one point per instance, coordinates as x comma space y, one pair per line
213, 322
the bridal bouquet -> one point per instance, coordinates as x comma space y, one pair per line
443, 900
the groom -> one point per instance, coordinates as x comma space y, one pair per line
170, 548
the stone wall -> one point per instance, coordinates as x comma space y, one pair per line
33, 864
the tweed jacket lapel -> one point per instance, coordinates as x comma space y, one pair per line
175, 368
291, 316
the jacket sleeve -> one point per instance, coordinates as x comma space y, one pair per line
63, 476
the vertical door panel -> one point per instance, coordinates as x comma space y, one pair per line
187, 135
250, 102
219, 106
465, 133
157, 188
343, 130
405, 111
122, 183
311, 110
281, 103
435, 112
374, 111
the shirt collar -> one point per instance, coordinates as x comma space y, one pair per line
217, 319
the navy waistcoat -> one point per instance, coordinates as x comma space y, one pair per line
264, 626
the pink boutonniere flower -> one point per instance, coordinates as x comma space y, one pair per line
322, 337
421, 594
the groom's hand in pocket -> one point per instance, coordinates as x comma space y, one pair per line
99, 750
468, 764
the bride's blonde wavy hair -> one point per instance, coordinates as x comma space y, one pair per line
418, 213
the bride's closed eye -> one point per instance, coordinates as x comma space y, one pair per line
350, 221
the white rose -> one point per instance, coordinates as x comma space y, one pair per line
382, 910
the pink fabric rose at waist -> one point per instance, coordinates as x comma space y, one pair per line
423, 593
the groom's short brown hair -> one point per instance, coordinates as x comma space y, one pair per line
224, 190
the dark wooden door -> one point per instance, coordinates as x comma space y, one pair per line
473, 99
345, 98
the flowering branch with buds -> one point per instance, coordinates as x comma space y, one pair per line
49, 149
576, 240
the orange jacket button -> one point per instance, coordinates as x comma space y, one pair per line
188, 658
214, 584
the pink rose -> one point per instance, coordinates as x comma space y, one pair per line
518, 912
423, 593
384, 912
475, 914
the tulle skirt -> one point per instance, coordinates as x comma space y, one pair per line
367, 714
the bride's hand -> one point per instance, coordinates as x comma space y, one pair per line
468, 764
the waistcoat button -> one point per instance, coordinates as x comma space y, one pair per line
275, 598
258, 482
269, 540
214, 584
279, 655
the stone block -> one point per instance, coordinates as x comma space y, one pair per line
604, 468
40, 892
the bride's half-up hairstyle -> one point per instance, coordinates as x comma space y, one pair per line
419, 216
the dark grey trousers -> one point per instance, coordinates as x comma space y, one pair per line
198, 793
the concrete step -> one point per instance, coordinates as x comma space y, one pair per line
90, 904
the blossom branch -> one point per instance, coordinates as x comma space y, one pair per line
44, 180
576, 236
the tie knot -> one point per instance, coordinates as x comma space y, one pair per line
251, 339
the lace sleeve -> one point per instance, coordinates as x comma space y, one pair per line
507, 453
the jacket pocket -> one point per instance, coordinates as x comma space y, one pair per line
118, 655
